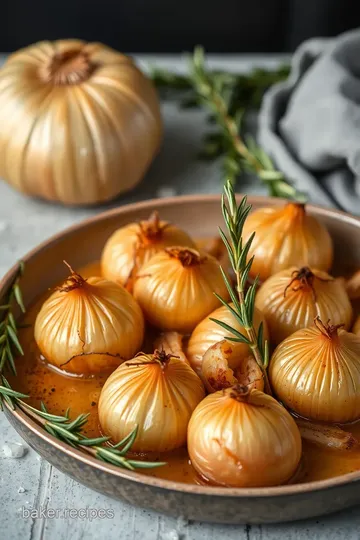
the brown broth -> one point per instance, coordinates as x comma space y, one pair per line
59, 392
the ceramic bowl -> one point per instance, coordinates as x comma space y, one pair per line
199, 215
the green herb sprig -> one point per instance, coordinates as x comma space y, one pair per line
235, 216
247, 89
239, 154
227, 97
60, 426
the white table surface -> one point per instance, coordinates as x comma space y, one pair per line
23, 224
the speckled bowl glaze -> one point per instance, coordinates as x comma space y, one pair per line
200, 216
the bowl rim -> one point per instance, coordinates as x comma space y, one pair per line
73, 453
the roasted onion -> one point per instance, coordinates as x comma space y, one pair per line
292, 298
89, 325
243, 438
316, 373
208, 332
285, 237
356, 325
175, 289
221, 368
171, 343
156, 392
131, 246
353, 286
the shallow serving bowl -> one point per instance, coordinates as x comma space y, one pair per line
199, 215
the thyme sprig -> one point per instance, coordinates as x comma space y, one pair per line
60, 426
243, 302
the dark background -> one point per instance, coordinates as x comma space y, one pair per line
177, 25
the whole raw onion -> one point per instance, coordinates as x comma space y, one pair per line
79, 122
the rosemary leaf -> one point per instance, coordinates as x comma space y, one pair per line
12, 393
243, 252
231, 292
239, 336
18, 297
11, 320
245, 273
260, 338
10, 358
231, 309
228, 247
146, 464
93, 442
14, 338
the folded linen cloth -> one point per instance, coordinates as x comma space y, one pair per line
310, 123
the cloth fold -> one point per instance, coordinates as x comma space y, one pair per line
310, 123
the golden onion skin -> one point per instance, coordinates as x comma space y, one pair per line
356, 326
79, 122
286, 237
253, 443
290, 307
208, 332
318, 376
97, 317
175, 295
130, 247
158, 399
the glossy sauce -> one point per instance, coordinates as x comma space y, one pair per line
59, 392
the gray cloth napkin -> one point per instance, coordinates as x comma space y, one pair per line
310, 124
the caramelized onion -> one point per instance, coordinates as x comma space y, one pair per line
243, 438
285, 237
175, 289
88, 326
316, 373
156, 392
222, 367
291, 299
131, 246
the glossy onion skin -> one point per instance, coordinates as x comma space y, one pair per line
159, 400
238, 444
298, 308
286, 237
117, 260
318, 377
207, 333
356, 326
177, 297
99, 317
76, 142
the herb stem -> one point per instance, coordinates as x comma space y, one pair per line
250, 330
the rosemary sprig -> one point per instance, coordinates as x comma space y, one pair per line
239, 154
243, 302
227, 97
247, 89
8, 331
60, 426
